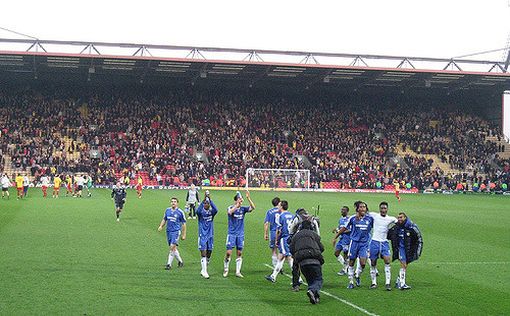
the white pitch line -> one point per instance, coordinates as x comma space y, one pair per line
467, 262
361, 309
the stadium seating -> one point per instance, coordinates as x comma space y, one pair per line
156, 136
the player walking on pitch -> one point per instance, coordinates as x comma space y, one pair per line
379, 245
6, 183
119, 196
272, 216
342, 247
282, 237
175, 221
235, 236
360, 226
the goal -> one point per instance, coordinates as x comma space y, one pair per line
278, 178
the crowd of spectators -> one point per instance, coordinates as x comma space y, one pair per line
354, 146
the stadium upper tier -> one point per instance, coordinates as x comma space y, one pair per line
175, 137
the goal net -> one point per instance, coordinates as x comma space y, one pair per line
278, 178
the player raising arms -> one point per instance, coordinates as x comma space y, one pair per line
235, 236
342, 247
270, 225
175, 221
360, 226
119, 196
206, 212
379, 245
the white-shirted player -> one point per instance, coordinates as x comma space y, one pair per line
379, 246
45, 183
191, 201
80, 181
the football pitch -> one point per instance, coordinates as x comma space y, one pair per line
69, 256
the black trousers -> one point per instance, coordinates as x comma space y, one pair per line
296, 272
192, 211
313, 276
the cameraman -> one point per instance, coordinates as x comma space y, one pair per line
307, 249
294, 227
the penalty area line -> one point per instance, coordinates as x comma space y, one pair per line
361, 309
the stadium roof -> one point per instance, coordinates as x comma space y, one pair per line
88, 61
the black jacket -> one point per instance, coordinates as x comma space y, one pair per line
413, 241
305, 245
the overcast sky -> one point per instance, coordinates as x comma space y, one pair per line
433, 28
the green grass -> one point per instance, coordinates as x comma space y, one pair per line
70, 256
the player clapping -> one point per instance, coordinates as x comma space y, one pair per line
206, 212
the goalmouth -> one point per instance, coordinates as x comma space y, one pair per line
272, 179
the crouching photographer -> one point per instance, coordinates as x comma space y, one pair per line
307, 249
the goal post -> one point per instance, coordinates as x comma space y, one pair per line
277, 178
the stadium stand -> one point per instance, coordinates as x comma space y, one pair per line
159, 136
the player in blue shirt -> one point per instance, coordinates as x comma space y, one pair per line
270, 225
359, 226
342, 247
206, 212
282, 237
175, 221
235, 236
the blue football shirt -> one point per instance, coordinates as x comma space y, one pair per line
343, 222
284, 222
271, 218
205, 220
236, 220
174, 219
360, 229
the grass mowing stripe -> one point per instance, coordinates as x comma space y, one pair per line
361, 309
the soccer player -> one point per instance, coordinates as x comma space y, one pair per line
191, 201
175, 221
360, 226
79, 185
69, 185
45, 182
19, 186
282, 237
26, 183
379, 246
119, 196
342, 247
407, 245
56, 186
235, 236
396, 184
206, 212
88, 183
6, 183
270, 225
139, 184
